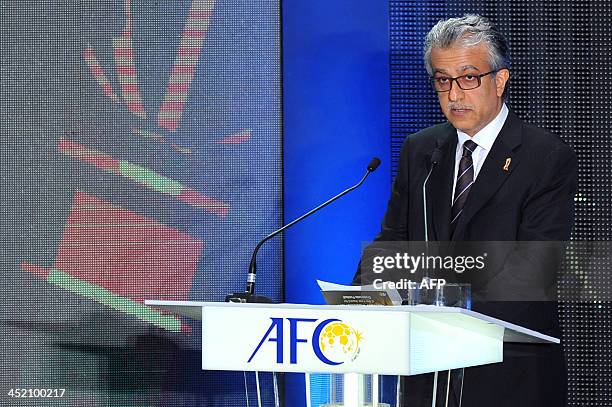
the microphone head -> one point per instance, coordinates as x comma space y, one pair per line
436, 155
374, 163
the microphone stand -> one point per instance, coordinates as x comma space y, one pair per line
249, 294
435, 158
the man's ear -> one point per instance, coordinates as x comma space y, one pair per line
501, 79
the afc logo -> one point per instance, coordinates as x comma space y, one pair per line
332, 341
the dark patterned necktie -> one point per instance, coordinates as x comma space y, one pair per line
465, 179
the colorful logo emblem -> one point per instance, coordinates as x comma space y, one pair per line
340, 342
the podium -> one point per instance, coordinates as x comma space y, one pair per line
348, 340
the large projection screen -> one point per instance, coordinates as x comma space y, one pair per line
141, 159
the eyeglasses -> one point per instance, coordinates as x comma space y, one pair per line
465, 82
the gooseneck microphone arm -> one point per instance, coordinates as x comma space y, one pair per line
435, 158
250, 287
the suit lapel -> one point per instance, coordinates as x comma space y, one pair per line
498, 166
440, 185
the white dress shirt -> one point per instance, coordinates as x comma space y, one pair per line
484, 139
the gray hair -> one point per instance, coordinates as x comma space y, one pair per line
469, 30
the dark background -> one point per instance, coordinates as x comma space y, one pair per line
561, 62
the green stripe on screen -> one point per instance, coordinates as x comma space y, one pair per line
150, 178
115, 301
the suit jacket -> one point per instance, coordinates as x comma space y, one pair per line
532, 201
524, 192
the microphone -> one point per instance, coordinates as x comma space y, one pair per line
436, 155
373, 165
435, 159
249, 294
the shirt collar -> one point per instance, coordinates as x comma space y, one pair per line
486, 137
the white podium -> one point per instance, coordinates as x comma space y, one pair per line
373, 340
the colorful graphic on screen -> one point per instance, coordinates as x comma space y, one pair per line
120, 259
143, 141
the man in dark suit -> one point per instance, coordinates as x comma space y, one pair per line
493, 178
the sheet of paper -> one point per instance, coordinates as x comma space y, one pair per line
393, 294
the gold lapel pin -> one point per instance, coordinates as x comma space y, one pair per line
507, 164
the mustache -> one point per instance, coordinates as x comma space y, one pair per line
457, 105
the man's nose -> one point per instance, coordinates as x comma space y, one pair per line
455, 93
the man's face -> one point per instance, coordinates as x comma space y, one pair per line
469, 110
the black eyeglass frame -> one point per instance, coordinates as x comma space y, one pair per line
456, 79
